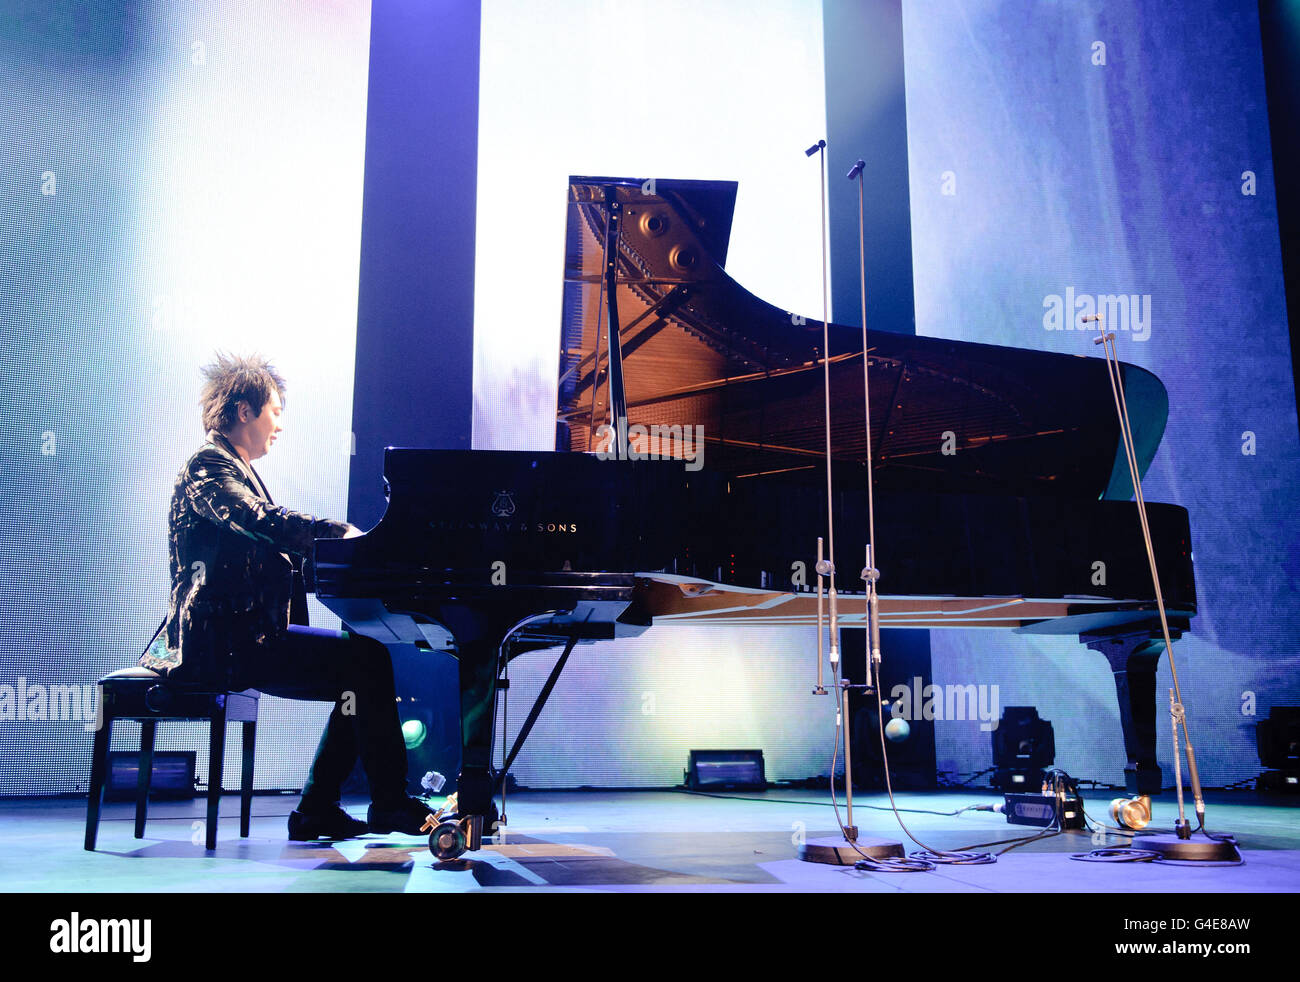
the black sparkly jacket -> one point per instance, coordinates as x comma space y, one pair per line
236, 566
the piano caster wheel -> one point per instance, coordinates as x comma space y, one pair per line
447, 841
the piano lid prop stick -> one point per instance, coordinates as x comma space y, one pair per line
617, 393
600, 314
1107, 341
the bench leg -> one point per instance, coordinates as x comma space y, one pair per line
249, 747
216, 764
98, 778
144, 777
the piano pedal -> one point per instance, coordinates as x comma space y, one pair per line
449, 840
450, 836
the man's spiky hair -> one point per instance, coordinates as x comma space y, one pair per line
232, 379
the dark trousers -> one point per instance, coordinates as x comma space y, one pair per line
356, 674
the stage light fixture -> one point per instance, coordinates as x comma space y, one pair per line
172, 775
1278, 741
1023, 745
413, 732
725, 770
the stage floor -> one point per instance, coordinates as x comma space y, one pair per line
634, 841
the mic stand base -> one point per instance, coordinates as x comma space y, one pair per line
836, 850
1197, 849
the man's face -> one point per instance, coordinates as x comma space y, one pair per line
261, 431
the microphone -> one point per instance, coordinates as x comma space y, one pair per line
814, 148
857, 169
1087, 318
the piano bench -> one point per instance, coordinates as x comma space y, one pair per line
143, 695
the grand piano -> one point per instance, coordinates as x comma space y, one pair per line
1002, 493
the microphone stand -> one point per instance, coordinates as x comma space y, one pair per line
849, 847
1181, 846
870, 574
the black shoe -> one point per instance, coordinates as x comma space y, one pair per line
336, 824
407, 815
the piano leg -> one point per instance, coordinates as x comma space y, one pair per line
478, 680
1134, 655
478, 636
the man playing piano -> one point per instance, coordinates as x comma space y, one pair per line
237, 617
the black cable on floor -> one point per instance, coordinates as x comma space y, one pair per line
1116, 855
1135, 854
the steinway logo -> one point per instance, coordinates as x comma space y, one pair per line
469, 525
503, 507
